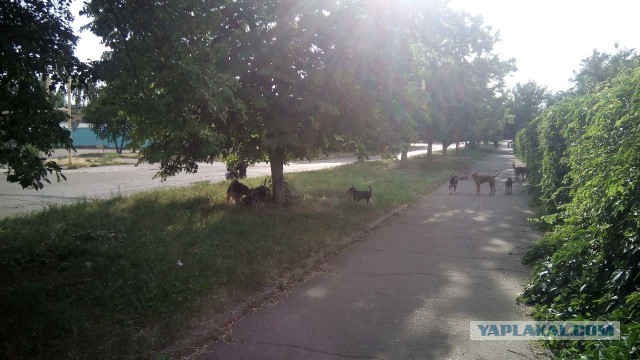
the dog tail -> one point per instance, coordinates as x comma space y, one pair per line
497, 172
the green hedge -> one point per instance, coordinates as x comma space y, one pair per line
584, 158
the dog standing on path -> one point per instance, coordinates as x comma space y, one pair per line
453, 184
508, 186
485, 178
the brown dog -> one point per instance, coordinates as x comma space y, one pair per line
485, 178
236, 191
508, 186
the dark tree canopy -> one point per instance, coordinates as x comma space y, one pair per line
36, 49
278, 80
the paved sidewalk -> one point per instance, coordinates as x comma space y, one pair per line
410, 288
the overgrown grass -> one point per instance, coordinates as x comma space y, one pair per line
123, 277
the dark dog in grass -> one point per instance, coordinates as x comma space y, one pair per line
485, 178
359, 195
257, 196
453, 184
520, 170
508, 186
236, 191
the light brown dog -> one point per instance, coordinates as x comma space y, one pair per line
485, 178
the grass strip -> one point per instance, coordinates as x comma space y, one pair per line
96, 159
122, 277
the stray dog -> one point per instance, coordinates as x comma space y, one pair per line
359, 195
508, 186
257, 196
519, 170
236, 191
485, 178
453, 184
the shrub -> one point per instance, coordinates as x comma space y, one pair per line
584, 155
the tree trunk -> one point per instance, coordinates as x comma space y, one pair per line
114, 139
276, 161
429, 146
444, 148
119, 151
404, 156
457, 147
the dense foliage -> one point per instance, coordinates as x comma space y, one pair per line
277, 80
36, 56
584, 156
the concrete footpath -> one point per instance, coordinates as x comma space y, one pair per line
410, 288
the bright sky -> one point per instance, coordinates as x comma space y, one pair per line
548, 38
89, 47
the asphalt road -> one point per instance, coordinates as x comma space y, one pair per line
108, 181
409, 289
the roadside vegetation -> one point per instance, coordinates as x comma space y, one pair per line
122, 278
583, 155
96, 159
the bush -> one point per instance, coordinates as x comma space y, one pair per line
584, 155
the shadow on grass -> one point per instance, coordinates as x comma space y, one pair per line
124, 276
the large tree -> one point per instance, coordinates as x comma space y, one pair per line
464, 78
279, 79
268, 80
36, 59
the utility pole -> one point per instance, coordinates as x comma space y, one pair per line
69, 121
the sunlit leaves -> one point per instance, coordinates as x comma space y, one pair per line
588, 145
